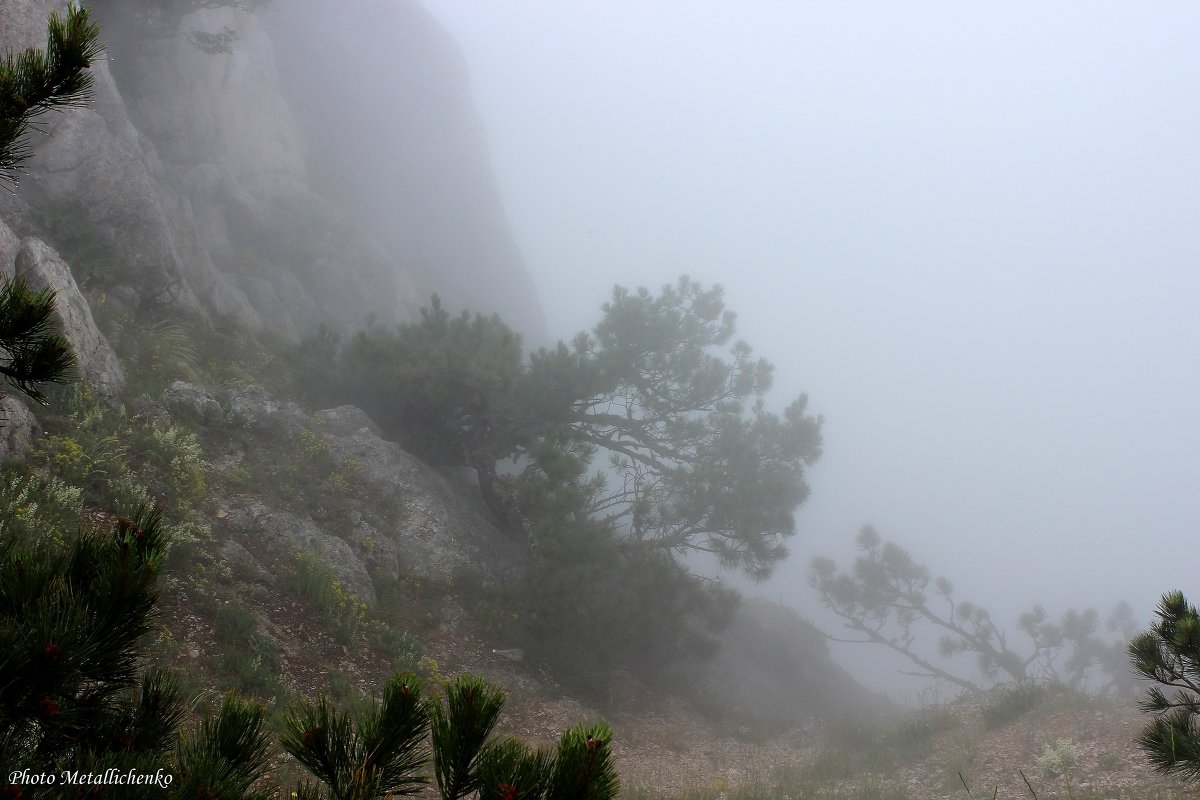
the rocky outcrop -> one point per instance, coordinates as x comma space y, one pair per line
345, 420
253, 407
288, 535
440, 526
17, 427
203, 182
446, 525
188, 400
41, 268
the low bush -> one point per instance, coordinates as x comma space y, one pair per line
1011, 702
317, 585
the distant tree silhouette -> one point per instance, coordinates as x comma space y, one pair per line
887, 598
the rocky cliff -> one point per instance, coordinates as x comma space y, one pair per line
215, 183
395, 139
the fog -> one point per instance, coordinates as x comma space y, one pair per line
967, 232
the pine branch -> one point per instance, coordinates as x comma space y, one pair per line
460, 728
33, 82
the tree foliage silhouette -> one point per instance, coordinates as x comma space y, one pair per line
889, 599
686, 457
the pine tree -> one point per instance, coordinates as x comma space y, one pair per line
1169, 654
461, 727
691, 459
74, 611
382, 754
640, 442
888, 598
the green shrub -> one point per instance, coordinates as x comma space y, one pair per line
249, 657
30, 505
191, 552
316, 584
253, 673
1058, 758
341, 688
402, 649
178, 456
154, 353
1012, 702
234, 623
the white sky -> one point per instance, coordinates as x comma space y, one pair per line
969, 232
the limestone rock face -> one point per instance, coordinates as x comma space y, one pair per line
446, 525
9, 245
41, 268
289, 535
17, 427
196, 181
187, 399
426, 190
345, 420
440, 525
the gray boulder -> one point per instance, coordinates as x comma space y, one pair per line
42, 268
287, 535
148, 410
253, 407
18, 426
345, 420
189, 400
442, 528
245, 564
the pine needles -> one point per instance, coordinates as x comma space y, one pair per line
34, 81
383, 753
32, 351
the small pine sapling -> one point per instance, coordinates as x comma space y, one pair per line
377, 756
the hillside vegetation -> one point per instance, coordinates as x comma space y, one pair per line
262, 552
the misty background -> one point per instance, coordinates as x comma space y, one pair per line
968, 233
